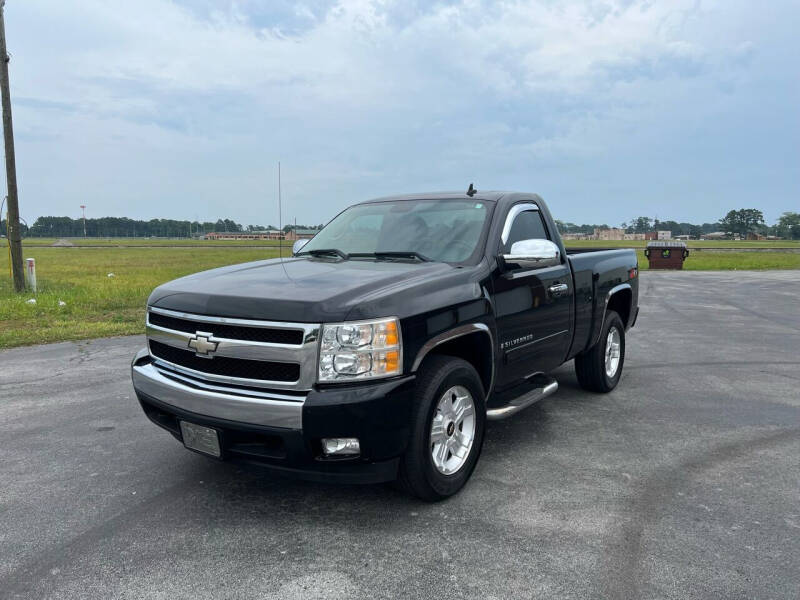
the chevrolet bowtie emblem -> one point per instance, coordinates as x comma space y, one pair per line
202, 345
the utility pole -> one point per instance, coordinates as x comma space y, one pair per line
14, 233
83, 210
280, 216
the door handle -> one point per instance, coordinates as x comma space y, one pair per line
558, 289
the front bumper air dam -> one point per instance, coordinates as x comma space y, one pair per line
283, 436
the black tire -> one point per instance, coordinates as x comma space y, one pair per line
417, 474
590, 367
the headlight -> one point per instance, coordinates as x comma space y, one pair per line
360, 350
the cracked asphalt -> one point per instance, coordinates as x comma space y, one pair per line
682, 483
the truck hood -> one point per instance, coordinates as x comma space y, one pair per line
317, 290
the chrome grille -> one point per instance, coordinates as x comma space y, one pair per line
222, 365
263, 354
292, 337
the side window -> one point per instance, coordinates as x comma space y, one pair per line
527, 225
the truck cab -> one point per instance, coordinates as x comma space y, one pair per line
379, 350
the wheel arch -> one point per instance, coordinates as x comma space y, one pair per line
619, 299
621, 302
468, 342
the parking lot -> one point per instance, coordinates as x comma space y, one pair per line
682, 483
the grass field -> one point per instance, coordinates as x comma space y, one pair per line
144, 242
794, 244
96, 305
733, 261
152, 242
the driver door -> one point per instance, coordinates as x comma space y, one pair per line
533, 305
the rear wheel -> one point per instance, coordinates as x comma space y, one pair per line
447, 429
600, 368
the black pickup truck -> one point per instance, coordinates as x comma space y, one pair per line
380, 348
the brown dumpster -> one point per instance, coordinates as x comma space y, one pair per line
666, 254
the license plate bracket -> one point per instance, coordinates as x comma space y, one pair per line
200, 438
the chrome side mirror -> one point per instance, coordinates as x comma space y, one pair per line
298, 245
532, 254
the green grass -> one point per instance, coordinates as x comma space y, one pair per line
98, 305
145, 242
691, 244
151, 242
734, 261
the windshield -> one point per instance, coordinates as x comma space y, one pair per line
439, 230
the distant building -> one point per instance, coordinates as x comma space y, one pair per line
633, 236
301, 234
269, 234
575, 236
715, 235
609, 234
754, 236
663, 235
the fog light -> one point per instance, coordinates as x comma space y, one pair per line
341, 446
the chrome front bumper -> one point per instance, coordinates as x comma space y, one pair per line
262, 409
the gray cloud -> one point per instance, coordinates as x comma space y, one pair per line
611, 109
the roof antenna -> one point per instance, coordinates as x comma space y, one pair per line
471, 191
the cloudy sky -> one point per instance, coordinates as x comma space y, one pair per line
609, 109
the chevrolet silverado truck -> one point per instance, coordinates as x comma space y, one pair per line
381, 347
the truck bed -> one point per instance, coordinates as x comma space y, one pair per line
582, 250
595, 272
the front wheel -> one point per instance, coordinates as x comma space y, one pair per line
447, 429
599, 368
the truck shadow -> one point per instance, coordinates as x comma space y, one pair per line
213, 496
220, 490
535, 426
517, 438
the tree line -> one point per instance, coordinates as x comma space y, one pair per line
741, 222
125, 227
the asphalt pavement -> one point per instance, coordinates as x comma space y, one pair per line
682, 483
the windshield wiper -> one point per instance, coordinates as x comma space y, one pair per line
400, 254
326, 252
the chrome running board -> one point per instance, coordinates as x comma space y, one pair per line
545, 386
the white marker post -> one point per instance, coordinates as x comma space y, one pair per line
30, 273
